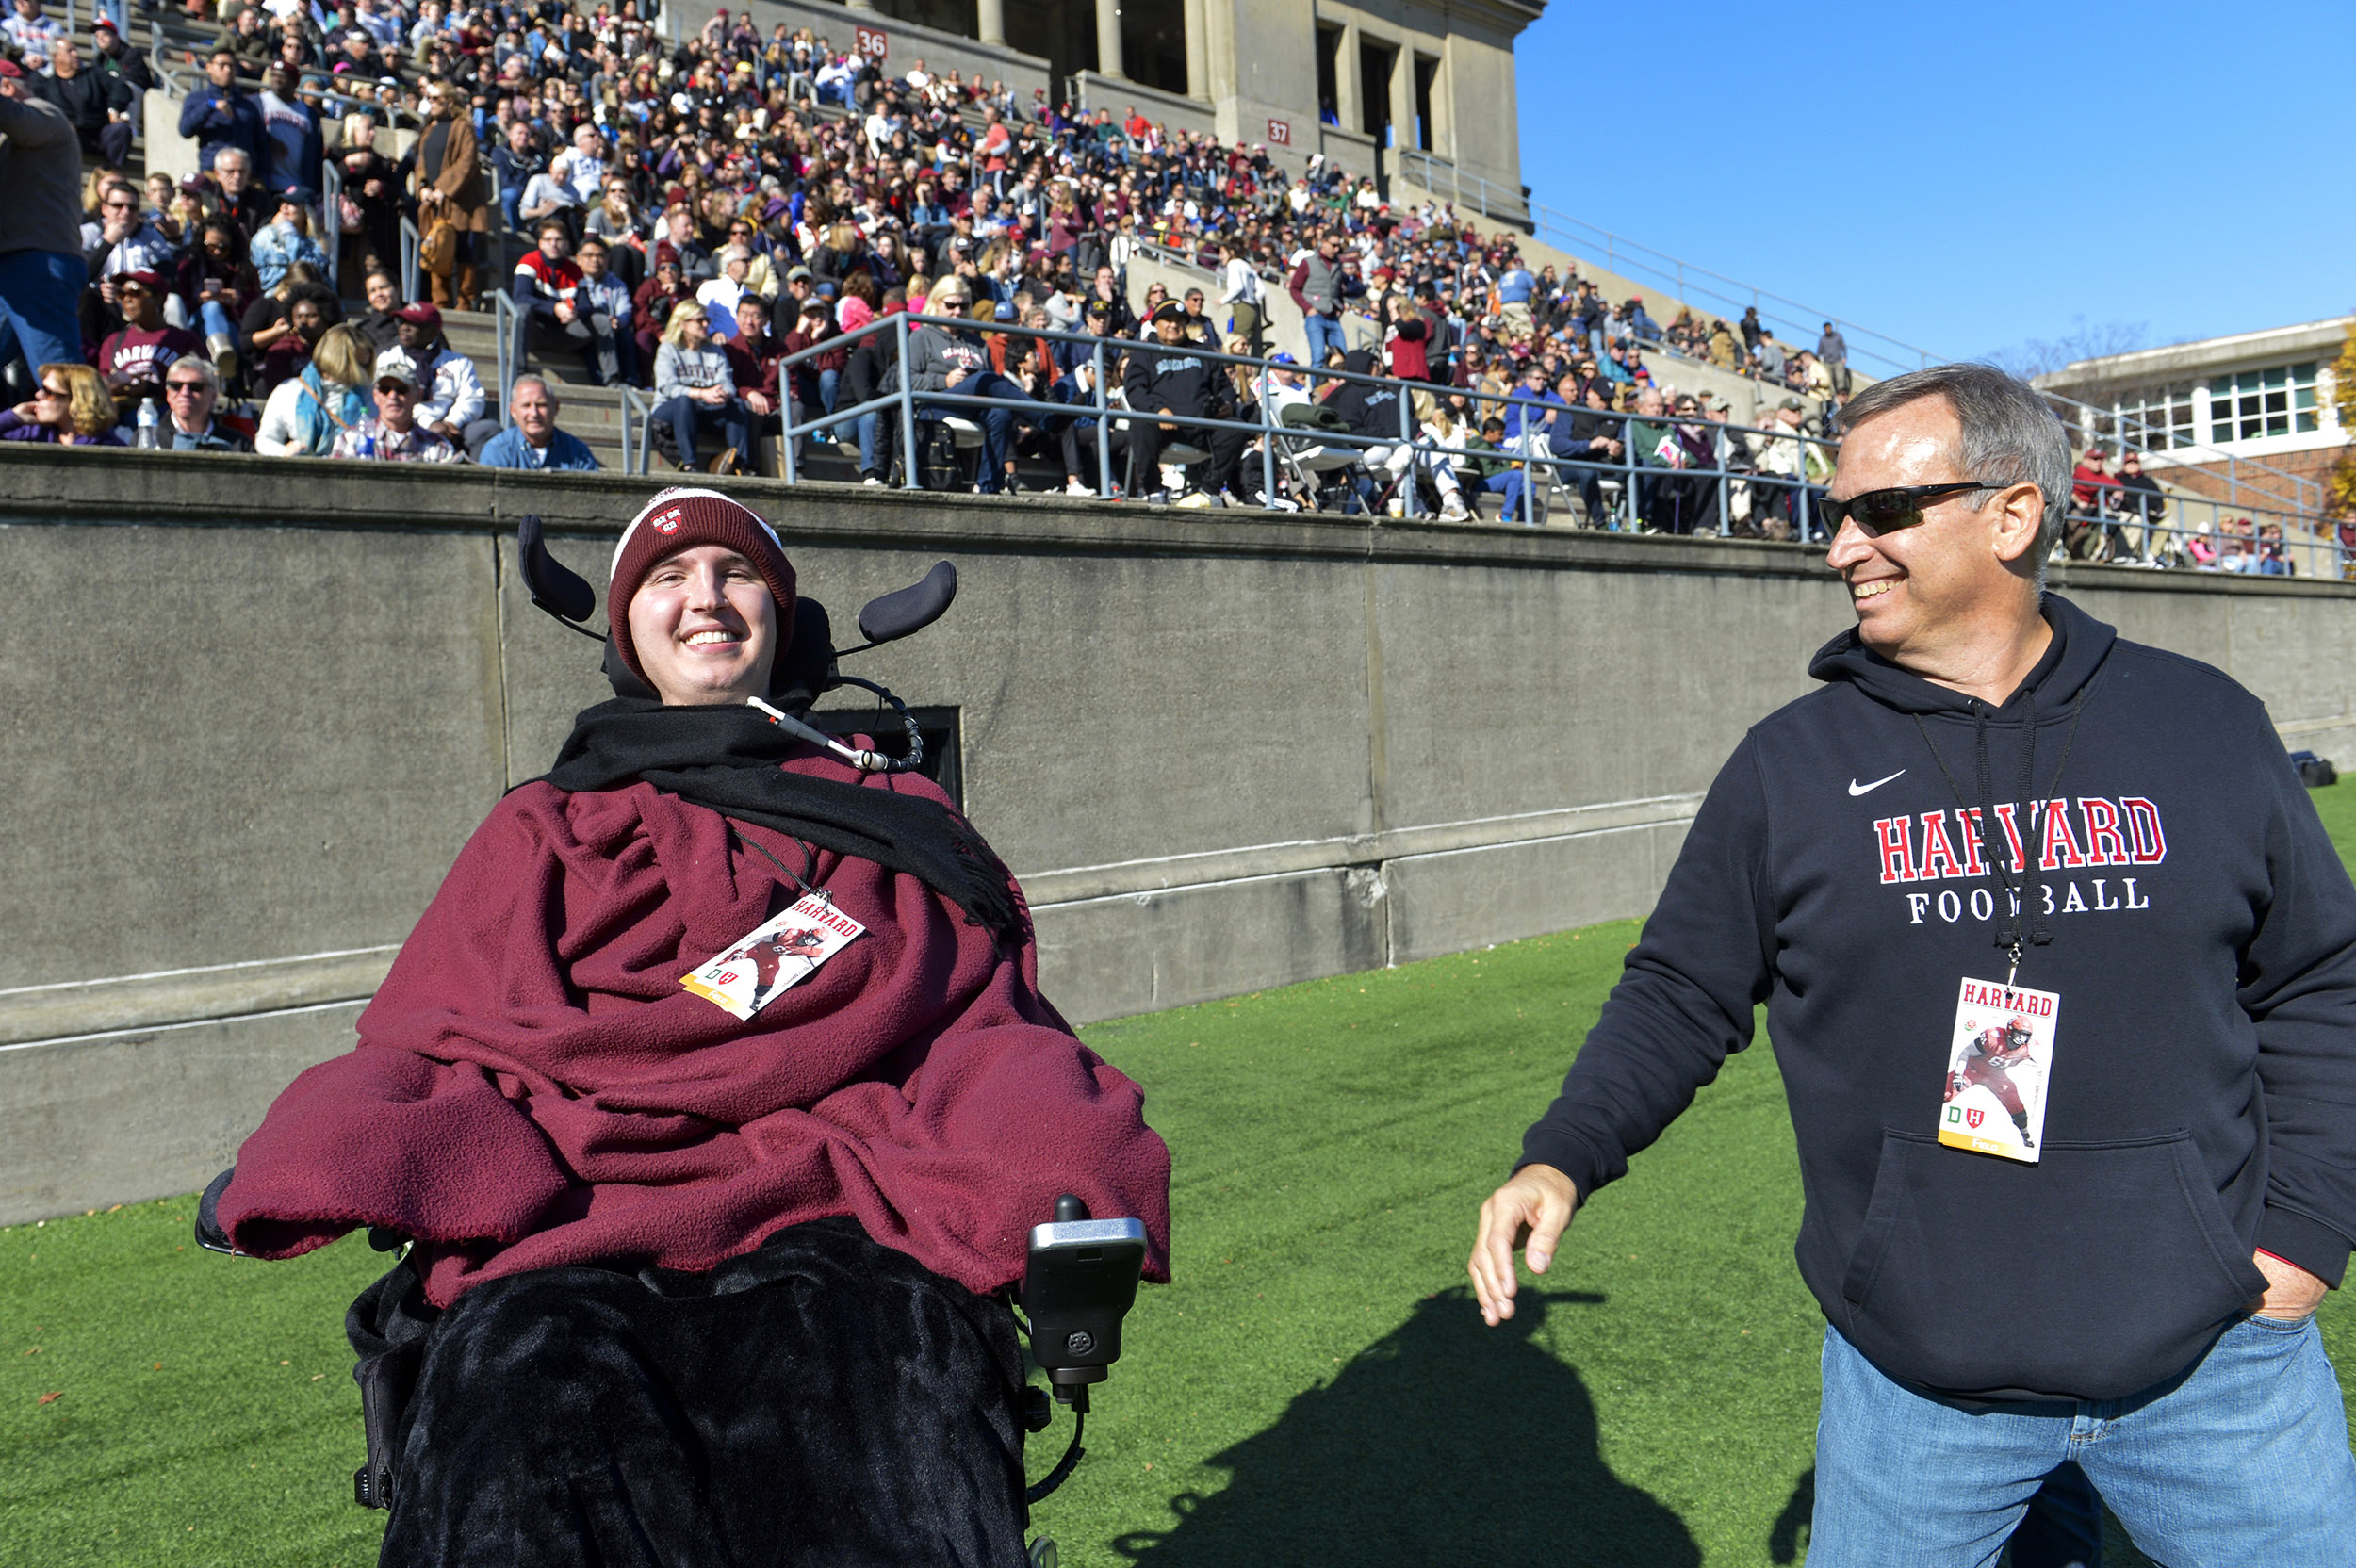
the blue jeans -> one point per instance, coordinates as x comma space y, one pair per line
828, 382
2242, 1458
1325, 332
1508, 485
997, 423
683, 414
217, 322
872, 458
40, 297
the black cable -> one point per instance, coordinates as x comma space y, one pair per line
809, 858
915, 758
1062, 1472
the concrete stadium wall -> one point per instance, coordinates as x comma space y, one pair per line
259, 704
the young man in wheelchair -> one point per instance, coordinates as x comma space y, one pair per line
692, 1274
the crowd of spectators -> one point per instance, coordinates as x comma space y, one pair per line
684, 215
688, 215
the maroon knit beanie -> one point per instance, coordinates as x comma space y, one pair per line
679, 519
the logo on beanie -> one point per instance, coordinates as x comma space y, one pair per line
668, 522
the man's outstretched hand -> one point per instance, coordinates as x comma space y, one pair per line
1529, 1211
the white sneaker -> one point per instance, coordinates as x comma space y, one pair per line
1075, 487
874, 481
1452, 511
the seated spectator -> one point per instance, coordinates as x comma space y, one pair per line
955, 359
650, 308
305, 412
121, 239
753, 356
34, 33
392, 433
513, 162
133, 360
1165, 378
285, 345
692, 380
191, 395
606, 299
545, 290
230, 191
70, 409
215, 282
532, 440
2091, 488
286, 238
98, 103
380, 326
450, 400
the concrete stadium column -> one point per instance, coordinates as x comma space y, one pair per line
1198, 52
992, 15
1108, 40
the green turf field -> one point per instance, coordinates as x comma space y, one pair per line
1316, 1388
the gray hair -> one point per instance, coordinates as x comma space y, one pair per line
2011, 434
530, 379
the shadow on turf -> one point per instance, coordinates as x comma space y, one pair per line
1443, 1443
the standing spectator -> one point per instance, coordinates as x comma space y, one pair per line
305, 412
371, 182
293, 146
451, 195
1514, 287
1315, 287
98, 104
692, 380
392, 433
1239, 291
1833, 350
532, 440
286, 238
134, 360
1753, 331
70, 409
41, 268
449, 398
218, 114
192, 399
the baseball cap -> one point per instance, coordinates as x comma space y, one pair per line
1791, 405
12, 70
1170, 310
106, 23
396, 371
793, 274
148, 280
1282, 359
420, 313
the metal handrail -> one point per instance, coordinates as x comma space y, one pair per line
332, 209
507, 323
410, 243
636, 410
905, 399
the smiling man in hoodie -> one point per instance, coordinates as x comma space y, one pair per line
1998, 816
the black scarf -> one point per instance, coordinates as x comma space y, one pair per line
726, 757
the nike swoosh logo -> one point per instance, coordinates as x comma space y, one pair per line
1858, 788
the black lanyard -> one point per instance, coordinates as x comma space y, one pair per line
2012, 886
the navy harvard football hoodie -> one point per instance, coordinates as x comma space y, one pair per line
2185, 903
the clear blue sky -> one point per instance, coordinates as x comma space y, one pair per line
1967, 176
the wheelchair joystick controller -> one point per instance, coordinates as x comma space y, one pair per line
1079, 1282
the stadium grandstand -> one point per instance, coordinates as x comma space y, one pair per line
927, 247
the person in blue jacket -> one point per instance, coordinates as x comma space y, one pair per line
1995, 807
218, 115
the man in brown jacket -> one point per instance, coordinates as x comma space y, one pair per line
450, 187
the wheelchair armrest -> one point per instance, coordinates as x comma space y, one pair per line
209, 1233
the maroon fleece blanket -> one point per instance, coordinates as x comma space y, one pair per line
533, 1088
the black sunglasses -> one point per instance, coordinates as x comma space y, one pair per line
1886, 511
